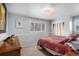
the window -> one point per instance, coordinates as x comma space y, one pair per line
32, 27
43, 27
58, 28
37, 26
75, 24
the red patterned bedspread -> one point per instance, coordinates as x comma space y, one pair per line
55, 43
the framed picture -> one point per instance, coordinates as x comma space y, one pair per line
2, 18
19, 24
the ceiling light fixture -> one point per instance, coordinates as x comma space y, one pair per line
48, 10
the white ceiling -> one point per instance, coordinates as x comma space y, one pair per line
35, 9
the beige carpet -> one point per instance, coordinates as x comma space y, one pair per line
33, 51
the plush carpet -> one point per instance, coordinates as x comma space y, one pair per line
33, 51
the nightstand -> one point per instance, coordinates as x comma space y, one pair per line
10, 50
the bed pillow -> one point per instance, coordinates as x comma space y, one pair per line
64, 40
73, 37
70, 39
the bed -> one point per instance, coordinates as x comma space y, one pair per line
56, 44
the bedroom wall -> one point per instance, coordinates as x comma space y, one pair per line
25, 35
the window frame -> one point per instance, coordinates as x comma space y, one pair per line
37, 26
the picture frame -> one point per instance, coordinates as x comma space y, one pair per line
3, 13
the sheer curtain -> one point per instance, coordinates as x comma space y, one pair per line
58, 28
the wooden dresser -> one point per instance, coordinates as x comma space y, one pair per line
10, 50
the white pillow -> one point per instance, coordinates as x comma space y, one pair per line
3, 36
